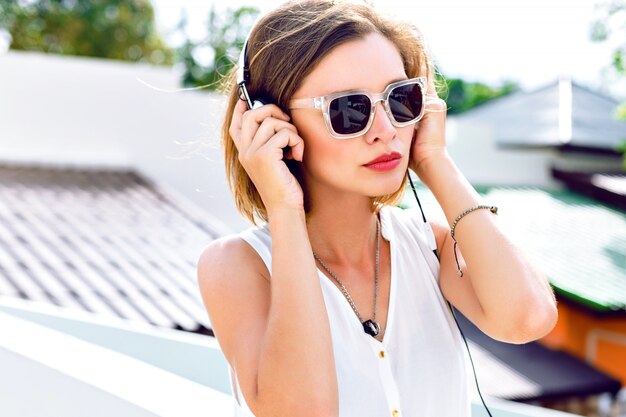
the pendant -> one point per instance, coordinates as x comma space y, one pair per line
371, 327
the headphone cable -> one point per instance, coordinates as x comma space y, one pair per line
450, 305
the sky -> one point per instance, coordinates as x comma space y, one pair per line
533, 42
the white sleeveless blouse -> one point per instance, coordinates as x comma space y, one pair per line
419, 370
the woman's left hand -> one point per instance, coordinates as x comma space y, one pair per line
430, 135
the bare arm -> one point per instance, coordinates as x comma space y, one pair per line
277, 339
273, 331
297, 367
500, 291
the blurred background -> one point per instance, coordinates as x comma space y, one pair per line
112, 183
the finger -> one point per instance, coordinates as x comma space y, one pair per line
286, 137
269, 127
435, 104
235, 122
264, 111
252, 119
431, 90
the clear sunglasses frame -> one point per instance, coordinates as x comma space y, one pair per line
323, 103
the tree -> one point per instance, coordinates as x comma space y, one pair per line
461, 95
612, 21
114, 29
612, 13
207, 61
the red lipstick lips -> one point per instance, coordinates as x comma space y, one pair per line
384, 162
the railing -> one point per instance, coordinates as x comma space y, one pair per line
186, 374
49, 372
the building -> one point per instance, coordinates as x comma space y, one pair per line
101, 222
547, 158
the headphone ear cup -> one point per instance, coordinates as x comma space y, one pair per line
258, 103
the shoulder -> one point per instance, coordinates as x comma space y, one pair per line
413, 221
236, 295
408, 218
441, 230
228, 257
404, 215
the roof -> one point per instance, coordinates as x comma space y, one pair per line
608, 187
562, 114
102, 240
530, 371
579, 243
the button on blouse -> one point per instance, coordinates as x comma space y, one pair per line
419, 369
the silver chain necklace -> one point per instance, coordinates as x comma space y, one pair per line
370, 327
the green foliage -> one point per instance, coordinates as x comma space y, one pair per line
619, 56
114, 29
620, 113
227, 33
461, 95
613, 19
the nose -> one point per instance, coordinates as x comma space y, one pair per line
382, 128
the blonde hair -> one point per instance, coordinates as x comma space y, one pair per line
283, 48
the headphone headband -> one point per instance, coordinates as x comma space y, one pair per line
243, 72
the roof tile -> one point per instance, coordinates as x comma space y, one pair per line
106, 241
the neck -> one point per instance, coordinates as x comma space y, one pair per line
343, 231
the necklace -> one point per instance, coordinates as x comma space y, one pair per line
370, 327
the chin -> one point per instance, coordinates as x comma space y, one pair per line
377, 195
389, 187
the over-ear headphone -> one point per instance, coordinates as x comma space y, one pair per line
243, 77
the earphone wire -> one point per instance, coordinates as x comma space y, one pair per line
415, 194
243, 77
450, 305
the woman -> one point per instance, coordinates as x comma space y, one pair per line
290, 300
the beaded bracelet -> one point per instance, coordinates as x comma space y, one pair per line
493, 209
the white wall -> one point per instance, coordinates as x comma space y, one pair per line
472, 145
77, 111
91, 111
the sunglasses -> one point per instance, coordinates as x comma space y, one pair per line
349, 114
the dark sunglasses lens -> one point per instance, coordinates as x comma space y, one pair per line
349, 114
406, 102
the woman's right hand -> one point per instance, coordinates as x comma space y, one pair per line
260, 136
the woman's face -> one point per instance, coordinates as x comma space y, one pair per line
370, 63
